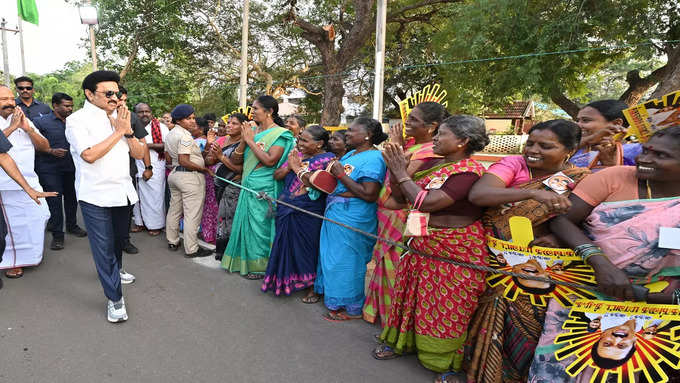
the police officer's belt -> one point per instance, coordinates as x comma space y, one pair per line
183, 169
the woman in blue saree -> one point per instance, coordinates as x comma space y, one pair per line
343, 252
261, 152
295, 253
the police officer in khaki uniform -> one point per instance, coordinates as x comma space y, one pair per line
186, 181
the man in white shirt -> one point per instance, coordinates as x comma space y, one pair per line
26, 221
101, 142
149, 212
12, 170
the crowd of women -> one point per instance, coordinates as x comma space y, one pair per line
458, 327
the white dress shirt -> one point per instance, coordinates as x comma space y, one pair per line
107, 181
23, 153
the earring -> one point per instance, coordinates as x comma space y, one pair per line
366, 138
460, 146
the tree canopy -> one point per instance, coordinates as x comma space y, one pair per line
484, 52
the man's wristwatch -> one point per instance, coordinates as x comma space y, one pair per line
148, 167
129, 135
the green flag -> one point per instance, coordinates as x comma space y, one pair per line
28, 11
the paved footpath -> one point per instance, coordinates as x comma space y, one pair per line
189, 322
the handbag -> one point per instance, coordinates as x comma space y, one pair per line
323, 180
619, 158
416, 222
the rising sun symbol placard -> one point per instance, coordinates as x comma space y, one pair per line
624, 342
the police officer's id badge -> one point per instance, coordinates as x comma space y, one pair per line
558, 182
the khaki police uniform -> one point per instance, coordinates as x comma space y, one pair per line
187, 190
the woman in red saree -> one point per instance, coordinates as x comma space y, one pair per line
434, 300
420, 126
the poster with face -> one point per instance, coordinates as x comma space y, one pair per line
653, 115
558, 182
557, 264
621, 341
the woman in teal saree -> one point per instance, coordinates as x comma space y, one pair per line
261, 151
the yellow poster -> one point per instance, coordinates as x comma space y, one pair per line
653, 115
247, 111
432, 93
557, 264
604, 341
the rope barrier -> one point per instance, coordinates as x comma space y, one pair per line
264, 196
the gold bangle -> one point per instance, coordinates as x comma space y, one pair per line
402, 180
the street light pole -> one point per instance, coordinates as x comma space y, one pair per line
21, 45
88, 16
243, 88
5, 58
93, 47
379, 80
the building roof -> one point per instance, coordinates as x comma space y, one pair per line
518, 109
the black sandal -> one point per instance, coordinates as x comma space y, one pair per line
173, 247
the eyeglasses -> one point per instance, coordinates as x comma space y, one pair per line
110, 93
25, 87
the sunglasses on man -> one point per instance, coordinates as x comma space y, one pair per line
110, 93
25, 87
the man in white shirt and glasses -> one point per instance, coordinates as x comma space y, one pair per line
101, 140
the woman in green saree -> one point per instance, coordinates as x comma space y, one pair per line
262, 150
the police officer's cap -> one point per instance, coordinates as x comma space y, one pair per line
182, 111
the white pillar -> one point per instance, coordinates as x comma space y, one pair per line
379, 80
243, 88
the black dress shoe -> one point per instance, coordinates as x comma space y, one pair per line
200, 253
173, 247
57, 244
130, 248
78, 232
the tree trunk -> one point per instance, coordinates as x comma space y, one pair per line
565, 103
333, 93
131, 58
670, 81
638, 86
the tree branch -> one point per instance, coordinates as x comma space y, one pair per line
131, 57
565, 103
396, 16
236, 54
637, 86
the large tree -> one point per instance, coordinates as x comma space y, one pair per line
341, 29
593, 35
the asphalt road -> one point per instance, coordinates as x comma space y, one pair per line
189, 322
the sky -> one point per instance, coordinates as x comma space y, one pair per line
49, 45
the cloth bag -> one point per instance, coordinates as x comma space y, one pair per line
416, 222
